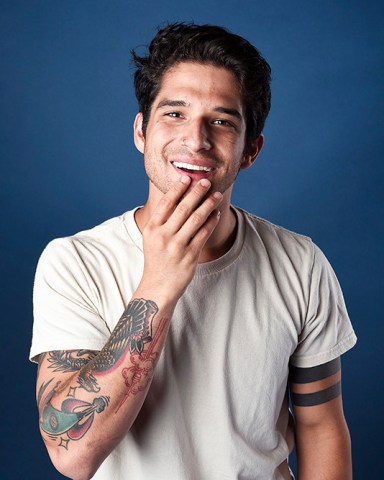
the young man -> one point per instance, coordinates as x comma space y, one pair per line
167, 338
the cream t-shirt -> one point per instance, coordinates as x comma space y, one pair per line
217, 408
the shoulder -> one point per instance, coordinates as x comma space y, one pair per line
106, 233
262, 225
103, 232
277, 241
88, 247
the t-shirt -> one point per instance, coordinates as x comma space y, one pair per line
218, 405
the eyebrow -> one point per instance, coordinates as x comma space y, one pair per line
228, 111
172, 103
180, 103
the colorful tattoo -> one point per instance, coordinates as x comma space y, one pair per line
138, 376
133, 330
73, 361
74, 418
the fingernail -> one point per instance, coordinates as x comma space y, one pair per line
205, 182
218, 195
218, 214
185, 179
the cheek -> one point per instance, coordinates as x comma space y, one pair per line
161, 137
231, 142
235, 154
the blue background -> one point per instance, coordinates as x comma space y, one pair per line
68, 163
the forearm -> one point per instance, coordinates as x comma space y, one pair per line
323, 454
84, 415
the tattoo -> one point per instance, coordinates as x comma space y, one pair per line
74, 418
70, 360
313, 374
316, 398
138, 376
42, 389
73, 361
133, 330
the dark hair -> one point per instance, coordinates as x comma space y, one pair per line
207, 44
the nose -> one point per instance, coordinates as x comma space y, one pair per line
196, 136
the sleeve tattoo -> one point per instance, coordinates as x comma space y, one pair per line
131, 334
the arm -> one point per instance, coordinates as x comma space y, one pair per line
322, 437
89, 400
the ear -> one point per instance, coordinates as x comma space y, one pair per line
253, 152
138, 136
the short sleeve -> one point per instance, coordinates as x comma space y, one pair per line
327, 332
65, 303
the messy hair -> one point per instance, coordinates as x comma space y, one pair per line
211, 45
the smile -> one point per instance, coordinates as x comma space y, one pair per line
191, 168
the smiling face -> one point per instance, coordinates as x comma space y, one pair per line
196, 127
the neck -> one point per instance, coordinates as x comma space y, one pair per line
222, 238
218, 243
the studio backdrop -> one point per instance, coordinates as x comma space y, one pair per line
68, 162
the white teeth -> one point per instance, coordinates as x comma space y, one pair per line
188, 166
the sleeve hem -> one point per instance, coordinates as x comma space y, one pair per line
77, 344
324, 357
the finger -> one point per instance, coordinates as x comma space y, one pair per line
202, 235
199, 217
187, 205
169, 201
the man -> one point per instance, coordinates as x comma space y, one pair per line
165, 337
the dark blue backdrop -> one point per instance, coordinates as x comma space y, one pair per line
68, 162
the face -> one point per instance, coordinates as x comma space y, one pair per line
197, 128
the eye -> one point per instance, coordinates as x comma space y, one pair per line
173, 114
224, 123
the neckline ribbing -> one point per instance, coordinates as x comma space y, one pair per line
207, 268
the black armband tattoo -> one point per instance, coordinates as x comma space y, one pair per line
316, 398
313, 374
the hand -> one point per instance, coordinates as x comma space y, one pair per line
175, 236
